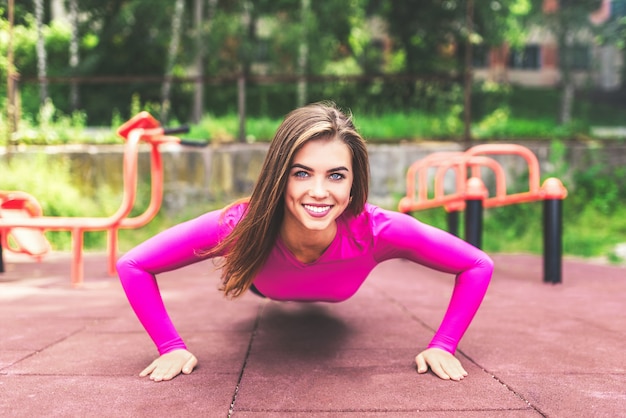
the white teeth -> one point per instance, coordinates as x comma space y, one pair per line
316, 209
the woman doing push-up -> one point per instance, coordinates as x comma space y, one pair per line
306, 234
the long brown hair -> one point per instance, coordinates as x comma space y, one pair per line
247, 247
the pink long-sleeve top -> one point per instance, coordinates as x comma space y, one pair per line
360, 244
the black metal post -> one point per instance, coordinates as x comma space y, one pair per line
453, 222
552, 240
474, 221
1, 258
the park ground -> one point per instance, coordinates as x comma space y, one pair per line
534, 349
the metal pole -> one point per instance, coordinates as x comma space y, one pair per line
553, 193
552, 240
474, 195
474, 222
453, 222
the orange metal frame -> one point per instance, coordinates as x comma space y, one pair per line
467, 167
142, 127
20, 204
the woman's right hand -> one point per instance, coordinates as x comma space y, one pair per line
170, 365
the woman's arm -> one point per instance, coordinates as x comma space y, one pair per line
473, 269
169, 250
403, 236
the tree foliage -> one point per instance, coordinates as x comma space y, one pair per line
371, 38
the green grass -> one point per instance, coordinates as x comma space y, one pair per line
410, 126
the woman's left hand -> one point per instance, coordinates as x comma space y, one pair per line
442, 363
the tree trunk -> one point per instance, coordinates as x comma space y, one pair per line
567, 83
57, 10
11, 82
74, 53
468, 76
248, 23
241, 105
303, 53
567, 102
41, 53
198, 94
179, 9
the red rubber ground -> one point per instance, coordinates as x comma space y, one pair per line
533, 350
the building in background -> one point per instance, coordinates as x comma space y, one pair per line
536, 64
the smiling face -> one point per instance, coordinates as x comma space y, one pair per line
318, 187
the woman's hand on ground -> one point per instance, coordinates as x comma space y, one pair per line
442, 363
170, 365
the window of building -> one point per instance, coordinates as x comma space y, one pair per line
480, 56
580, 57
527, 58
618, 9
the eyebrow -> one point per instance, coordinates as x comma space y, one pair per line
332, 170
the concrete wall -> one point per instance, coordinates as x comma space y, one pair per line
201, 176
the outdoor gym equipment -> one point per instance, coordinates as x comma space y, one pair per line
17, 205
471, 195
23, 224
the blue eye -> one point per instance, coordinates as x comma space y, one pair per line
337, 176
300, 174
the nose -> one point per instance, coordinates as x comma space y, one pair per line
319, 190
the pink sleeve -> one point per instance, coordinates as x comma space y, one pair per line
169, 250
402, 236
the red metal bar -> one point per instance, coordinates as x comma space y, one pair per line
471, 160
142, 127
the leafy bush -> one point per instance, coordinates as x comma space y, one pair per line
503, 122
50, 182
